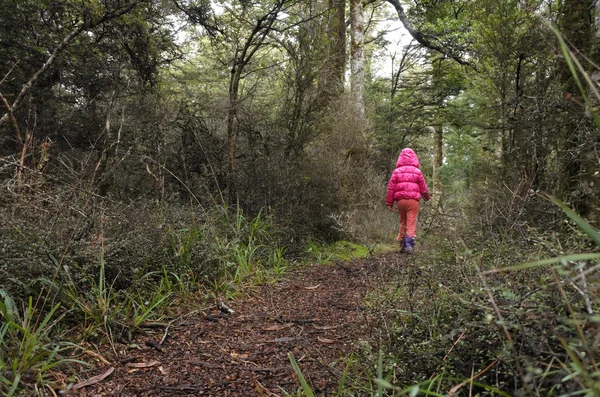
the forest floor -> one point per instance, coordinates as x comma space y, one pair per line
315, 313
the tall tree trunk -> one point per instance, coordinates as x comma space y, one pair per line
438, 155
357, 55
234, 87
337, 48
243, 56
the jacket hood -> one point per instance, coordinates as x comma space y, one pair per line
407, 157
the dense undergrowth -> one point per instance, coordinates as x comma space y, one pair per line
475, 311
100, 278
481, 314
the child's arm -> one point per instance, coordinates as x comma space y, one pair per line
389, 197
424, 190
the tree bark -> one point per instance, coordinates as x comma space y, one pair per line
234, 87
337, 47
357, 55
13, 120
438, 155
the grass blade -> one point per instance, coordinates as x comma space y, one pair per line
543, 262
583, 225
305, 387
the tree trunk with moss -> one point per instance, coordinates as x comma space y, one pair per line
334, 77
357, 55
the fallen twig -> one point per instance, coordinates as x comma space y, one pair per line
143, 365
180, 388
98, 356
282, 320
162, 340
94, 379
447, 354
155, 325
471, 379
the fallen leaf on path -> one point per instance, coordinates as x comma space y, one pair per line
275, 327
143, 365
94, 379
325, 327
325, 340
236, 355
285, 339
313, 287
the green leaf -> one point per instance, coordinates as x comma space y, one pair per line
386, 384
15, 385
583, 225
543, 262
414, 391
303, 383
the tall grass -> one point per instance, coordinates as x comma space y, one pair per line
29, 349
102, 310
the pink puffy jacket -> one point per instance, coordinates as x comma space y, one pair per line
407, 181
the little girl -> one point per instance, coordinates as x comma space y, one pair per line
406, 187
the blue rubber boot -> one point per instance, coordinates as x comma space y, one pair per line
409, 244
402, 244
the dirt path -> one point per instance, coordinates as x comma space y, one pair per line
315, 314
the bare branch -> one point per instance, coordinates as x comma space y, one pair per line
422, 38
60, 48
13, 120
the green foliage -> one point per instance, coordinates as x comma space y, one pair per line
225, 251
102, 309
581, 353
458, 314
305, 387
251, 251
323, 253
28, 345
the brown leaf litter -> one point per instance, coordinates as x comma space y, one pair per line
315, 314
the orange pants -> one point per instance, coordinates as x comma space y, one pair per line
408, 209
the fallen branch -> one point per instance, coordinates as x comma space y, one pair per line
94, 379
162, 340
143, 365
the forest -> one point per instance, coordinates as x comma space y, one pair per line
158, 157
